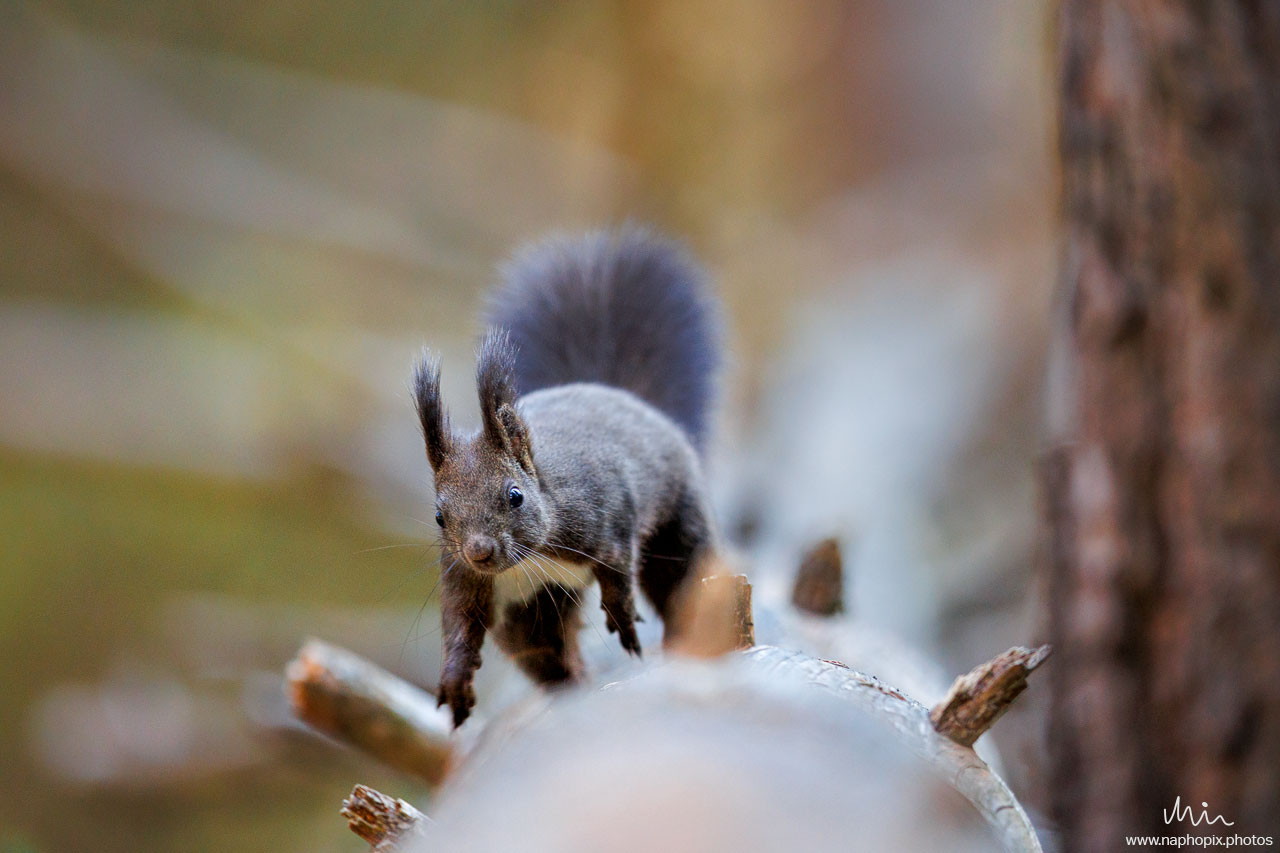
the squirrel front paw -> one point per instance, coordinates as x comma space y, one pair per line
457, 690
625, 628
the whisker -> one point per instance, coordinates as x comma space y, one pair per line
418, 618
394, 590
524, 564
552, 544
532, 560
537, 587
532, 585
574, 595
550, 585
436, 585
385, 547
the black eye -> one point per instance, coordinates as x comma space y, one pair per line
440, 518
515, 497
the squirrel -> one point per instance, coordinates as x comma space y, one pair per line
595, 378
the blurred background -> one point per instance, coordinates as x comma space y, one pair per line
225, 229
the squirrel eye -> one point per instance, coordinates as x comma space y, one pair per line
440, 518
515, 497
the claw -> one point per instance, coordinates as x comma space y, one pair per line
624, 627
630, 642
459, 694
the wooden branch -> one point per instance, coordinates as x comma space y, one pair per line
978, 699
353, 700
819, 585
385, 822
717, 618
739, 594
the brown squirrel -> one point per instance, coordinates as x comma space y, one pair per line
595, 381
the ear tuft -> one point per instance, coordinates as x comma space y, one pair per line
426, 398
496, 380
496, 383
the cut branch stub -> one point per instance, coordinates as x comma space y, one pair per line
356, 701
717, 617
819, 586
976, 700
385, 822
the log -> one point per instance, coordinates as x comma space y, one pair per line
704, 707
958, 764
761, 749
807, 620
670, 699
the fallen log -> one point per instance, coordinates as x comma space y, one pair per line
764, 749
736, 733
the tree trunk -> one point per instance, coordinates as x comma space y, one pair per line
1164, 510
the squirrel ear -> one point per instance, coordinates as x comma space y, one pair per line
517, 435
426, 398
496, 381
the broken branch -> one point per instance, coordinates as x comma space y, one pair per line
819, 585
976, 700
356, 701
717, 618
385, 822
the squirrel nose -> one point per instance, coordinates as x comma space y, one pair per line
479, 548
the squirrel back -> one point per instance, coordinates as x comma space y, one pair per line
620, 307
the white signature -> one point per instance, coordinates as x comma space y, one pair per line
1181, 812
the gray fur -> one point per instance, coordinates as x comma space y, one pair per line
611, 466
606, 474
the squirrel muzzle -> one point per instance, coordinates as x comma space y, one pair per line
480, 551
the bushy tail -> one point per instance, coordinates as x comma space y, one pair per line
621, 307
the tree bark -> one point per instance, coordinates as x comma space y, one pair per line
1164, 510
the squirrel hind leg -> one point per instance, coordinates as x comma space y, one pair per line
541, 636
670, 557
